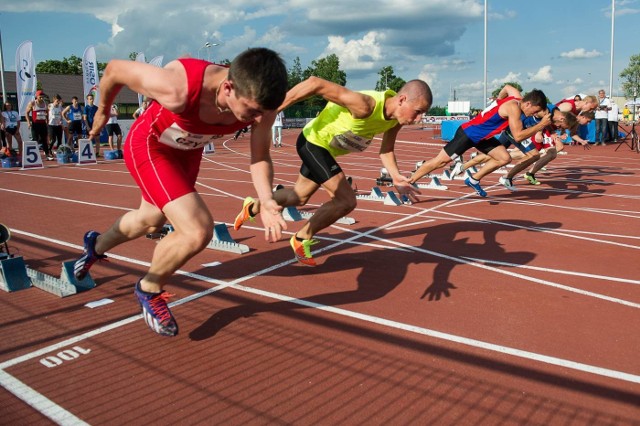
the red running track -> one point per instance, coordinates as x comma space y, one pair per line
521, 308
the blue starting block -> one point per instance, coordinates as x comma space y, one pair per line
13, 274
291, 214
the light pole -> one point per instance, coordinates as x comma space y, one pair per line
207, 46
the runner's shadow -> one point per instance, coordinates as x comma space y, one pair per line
382, 270
455, 247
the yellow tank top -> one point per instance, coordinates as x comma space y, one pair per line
339, 133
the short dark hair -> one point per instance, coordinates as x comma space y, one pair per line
260, 74
536, 98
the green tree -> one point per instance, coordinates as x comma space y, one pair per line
295, 73
71, 65
495, 93
388, 80
327, 68
437, 110
631, 76
133, 55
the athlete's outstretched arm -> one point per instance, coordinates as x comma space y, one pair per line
360, 105
262, 177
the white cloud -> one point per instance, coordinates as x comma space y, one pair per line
543, 75
362, 54
580, 53
510, 77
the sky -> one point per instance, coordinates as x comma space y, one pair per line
562, 47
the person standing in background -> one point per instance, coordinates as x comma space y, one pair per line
602, 114
276, 130
37, 118
54, 123
612, 121
113, 128
73, 115
87, 115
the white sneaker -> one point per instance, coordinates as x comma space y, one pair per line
457, 169
507, 183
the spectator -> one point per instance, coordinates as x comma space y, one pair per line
87, 115
276, 130
37, 117
612, 121
10, 123
73, 115
54, 122
140, 110
602, 117
113, 128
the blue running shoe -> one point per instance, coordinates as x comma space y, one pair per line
155, 311
476, 186
82, 265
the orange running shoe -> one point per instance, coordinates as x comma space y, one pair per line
302, 250
245, 213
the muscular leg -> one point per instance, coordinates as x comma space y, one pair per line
440, 160
528, 159
498, 158
343, 201
548, 156
193, 229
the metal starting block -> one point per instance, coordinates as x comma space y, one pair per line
64, 286
433, 184
13, 274
375, 195
17, 276
223, 241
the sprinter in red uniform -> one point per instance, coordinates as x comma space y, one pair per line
194, 102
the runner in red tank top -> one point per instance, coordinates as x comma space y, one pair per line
194, 103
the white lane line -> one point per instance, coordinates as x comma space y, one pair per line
38, 401
615, 374
555, 271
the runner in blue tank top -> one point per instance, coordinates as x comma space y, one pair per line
480, 133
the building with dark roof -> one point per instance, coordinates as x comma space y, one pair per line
68, 86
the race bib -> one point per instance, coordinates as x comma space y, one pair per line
41, 115
351, 142
176, 137
77, 116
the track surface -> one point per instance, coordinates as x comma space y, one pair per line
521, 308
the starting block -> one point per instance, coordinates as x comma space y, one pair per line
344, 220
17, 276
375, 195
166, 229
434, 184
291, 214
223, 241
391, 199
13, 274
64, 286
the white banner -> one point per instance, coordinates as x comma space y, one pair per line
90, 79
157, 61
25, 76
140, 58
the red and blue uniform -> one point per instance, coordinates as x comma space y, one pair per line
488, 123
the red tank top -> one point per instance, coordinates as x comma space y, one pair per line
39, 113
571, 102
182, 130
